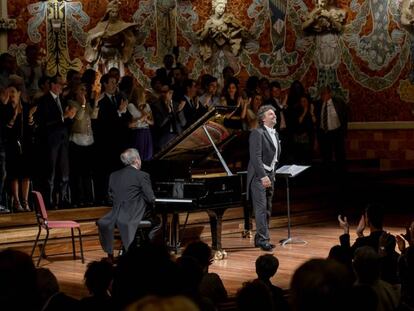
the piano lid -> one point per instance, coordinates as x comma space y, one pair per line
193, 144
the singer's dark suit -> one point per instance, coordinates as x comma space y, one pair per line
54, 140
132, 196
262, 151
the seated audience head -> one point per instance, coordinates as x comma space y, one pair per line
254, 295
339, 254
201, 251
17, 281
98, 277
366, 264
143, 271
320, 284
47, 284
131, 157
266, 266
374, 216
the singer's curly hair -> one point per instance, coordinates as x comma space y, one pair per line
262, 111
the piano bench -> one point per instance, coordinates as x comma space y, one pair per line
141, 235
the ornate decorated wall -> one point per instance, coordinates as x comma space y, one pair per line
369, 62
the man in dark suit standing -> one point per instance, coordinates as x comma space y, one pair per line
168, 118
111, 130
264, 150
53, 121
132, 196
281, 111
332, 123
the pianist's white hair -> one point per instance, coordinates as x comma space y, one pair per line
129, 156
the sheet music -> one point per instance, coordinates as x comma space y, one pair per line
291, 170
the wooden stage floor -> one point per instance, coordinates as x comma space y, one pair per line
236, 269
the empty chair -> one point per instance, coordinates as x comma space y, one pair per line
44, 223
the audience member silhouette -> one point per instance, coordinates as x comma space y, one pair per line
52, 299
254, 295
266, 268
320, 284
211, 285
98, 278
366, 264
17, 281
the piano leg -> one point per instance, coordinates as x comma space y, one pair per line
216, 221
170, 231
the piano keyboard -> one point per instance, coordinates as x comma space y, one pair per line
172, 200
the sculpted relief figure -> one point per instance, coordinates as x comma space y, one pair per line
222, 38
110, 43
407, 14
325, 18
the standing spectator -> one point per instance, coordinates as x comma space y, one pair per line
166, 72
112, 126
89, 80
166, 118
281, 115
53, 121
210, 97
332, 124
80, 148
251, 114
4, 97
191, 107
139, 125
303, 131
32, 70
19, 146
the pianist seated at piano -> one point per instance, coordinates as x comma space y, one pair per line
168, 116
133, 200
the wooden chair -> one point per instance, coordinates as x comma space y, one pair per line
44, 223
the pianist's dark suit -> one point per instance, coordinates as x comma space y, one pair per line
262, 151
131, 192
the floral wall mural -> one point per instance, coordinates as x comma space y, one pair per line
368, 60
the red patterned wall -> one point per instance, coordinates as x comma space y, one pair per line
365, 104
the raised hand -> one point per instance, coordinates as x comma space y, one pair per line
343, 223
361, 227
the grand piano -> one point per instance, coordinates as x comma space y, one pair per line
201, 170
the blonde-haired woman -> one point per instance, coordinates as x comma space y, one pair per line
141, 120
81, 147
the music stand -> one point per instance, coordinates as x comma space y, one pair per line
290, 171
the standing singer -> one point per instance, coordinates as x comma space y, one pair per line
264, 150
